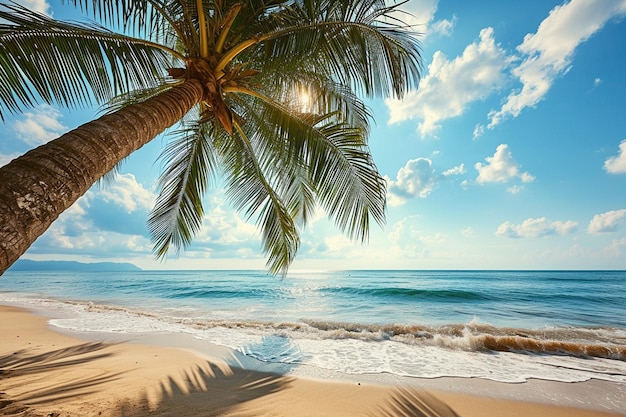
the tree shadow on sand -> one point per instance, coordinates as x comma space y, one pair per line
410, 403
213, 389
36, 366
209, 390
206, 389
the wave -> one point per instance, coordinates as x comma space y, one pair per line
218, 294
443, 295
475, 336
608, 343
580, 342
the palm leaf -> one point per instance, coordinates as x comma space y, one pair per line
346, 178
277, 136
339, 168
190, 164
250, 191
70, 63
358, 43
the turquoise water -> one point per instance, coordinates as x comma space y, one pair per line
502, 325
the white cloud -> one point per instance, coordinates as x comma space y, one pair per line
454, 171
417, 178
547, 54
443, 27
478, 131
421, 16
615, 248
606, 222
39, 126
221, 226
337, 243
76, 233
617, 164
501, 167
87, 228
535, 228
40, 6
405, 237
515, 189
5, 159
125, 191
451, 86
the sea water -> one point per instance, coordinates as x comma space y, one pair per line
505, 326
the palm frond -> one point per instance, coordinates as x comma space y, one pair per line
137, 96
70, 63
324, 155
139, 18
356, 42
190, 164
346, 178
250, 191
323, 95
278, 136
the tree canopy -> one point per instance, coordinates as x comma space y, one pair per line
279, 155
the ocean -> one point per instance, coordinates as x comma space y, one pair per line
507, 326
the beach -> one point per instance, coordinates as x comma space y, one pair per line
49, 373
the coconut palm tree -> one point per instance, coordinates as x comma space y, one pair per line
232, 73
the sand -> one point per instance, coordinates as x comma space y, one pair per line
47, 373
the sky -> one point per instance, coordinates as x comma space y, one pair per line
511, 154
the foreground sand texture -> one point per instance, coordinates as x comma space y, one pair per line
45, 373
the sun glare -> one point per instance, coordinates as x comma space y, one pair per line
305, 100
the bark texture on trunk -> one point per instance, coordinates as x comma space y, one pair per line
39, 185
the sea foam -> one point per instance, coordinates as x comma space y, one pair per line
470, 350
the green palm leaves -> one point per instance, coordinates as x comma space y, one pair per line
278, 157
69, 63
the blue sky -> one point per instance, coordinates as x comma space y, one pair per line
510, 155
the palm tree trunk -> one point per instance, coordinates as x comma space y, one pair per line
38, 186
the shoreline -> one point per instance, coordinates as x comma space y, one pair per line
53, 371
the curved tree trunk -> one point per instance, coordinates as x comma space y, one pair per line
38, 186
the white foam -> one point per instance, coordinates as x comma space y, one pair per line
302, 345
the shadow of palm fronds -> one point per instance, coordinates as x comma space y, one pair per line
207, 390
408, 403
23, 362
39, 387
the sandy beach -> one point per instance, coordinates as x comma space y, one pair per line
47, 373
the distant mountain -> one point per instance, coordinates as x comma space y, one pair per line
29, 265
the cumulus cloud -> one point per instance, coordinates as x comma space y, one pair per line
223, 227
457, 170
417, 178
451, 86
501, 167
40, 6
617, 164
39, 125
534, 228
81, 230
126, 192
443, 27
421, 16
100, 225
608, 222
547, 53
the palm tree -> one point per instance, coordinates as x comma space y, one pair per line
230, 71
